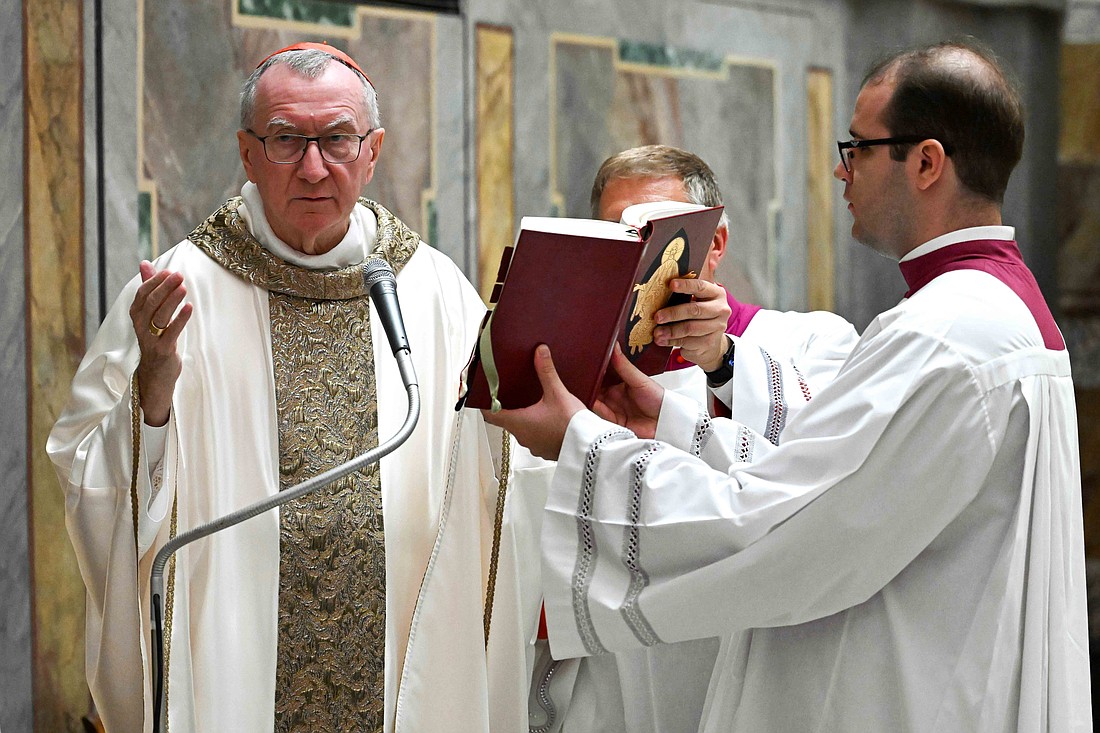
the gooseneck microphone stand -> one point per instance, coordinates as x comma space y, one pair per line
380, 280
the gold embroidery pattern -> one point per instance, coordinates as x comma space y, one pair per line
226, 239
332, 576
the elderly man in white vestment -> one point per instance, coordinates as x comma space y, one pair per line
782, 359
242, 361
910, 556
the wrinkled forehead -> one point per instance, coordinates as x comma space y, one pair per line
622, 191
286, 95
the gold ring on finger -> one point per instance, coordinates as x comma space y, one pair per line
155, 329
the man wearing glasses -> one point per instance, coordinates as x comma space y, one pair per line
242, 362
910, 556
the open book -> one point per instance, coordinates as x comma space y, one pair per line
580, 285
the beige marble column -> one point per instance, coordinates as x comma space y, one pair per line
821, 158
53, 207
495, 195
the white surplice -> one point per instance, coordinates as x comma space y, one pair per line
659, 688
221, 454
908, 558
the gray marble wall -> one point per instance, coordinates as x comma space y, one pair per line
1082, 22
787, 37
15, 608
109, 264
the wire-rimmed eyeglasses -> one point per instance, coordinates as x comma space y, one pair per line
341, 147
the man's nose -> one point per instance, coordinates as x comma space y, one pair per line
312, 167
841, 173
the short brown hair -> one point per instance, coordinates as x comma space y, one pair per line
956, 92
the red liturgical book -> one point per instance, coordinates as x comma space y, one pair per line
580, 285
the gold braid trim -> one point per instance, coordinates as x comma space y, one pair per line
135, 426
505, 467
169, 607
135, 431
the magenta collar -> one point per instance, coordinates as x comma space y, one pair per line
998, 257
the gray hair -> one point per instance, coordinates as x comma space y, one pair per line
660, 161
310, 63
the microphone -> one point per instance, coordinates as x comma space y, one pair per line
382, 285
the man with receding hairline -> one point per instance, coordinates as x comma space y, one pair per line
909, 556
246, 360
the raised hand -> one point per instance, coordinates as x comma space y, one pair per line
541, 427
635, 403
697, 327
157, 298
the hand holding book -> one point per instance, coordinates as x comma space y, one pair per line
697, 327
580, 285
634, 403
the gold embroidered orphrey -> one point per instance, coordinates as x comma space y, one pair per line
332, 572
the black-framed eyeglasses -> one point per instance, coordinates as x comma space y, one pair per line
845, 147
340, 147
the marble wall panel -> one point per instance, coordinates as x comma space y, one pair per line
1079, 187
1082, 23
1079, 274
786, 38
1079, 231
114, 260
612, 95
495, 191
451, 142
821, 159
54, 208
16, 710
197, 54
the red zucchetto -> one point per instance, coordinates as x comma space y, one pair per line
330, 50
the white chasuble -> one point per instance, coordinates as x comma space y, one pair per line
909, 557
222, 452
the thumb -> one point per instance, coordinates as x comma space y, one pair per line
546, 371
631, 375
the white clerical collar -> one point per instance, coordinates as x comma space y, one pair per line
352, 249
970, 234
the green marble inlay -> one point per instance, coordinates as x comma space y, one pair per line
637, 52
306, 11
432, 225
145, 225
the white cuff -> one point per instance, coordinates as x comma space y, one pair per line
677, 421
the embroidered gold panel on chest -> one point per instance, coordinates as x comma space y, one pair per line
332, 576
